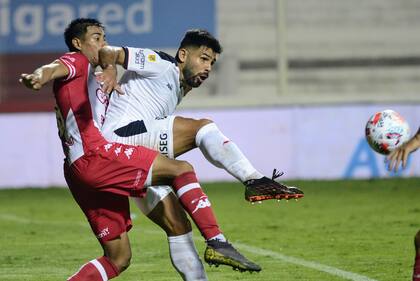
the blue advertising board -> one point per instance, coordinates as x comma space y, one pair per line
38, 26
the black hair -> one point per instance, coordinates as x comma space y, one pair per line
198, 38
78, 28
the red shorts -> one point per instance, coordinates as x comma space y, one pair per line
101, 182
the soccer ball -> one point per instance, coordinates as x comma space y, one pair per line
386, 130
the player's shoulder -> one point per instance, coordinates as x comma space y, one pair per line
76, 63
165, 56
147, 62
75, 57
158, 58
152, 56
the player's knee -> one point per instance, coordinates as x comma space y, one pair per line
203, 122
179, 228
122, 260
125, 263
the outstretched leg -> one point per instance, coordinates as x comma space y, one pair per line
224, 153
216, 147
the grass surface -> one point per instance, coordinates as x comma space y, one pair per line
341, 230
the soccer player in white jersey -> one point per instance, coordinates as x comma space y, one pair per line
153, 86
163, 78
102, 175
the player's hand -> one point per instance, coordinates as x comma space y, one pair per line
31, 81
108, 80
400, 155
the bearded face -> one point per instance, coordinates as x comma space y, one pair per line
197, 65
193, 77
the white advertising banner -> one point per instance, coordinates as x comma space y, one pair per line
308, 142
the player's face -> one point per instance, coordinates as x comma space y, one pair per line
92, 42
198, 65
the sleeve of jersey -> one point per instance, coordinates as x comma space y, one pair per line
145, 62
75, 63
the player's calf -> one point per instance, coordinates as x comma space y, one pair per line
95, 270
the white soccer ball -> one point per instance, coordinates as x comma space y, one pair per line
386, 130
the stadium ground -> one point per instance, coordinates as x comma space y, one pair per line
342, 230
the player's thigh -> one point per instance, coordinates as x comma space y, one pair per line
108, 214
184, 133
164, 170
155, 134
162, 207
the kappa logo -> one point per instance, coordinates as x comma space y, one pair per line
128, 152
170, 87
203, 202
104, 232
107, 146
118, 150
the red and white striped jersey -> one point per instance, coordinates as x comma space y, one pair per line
80, 107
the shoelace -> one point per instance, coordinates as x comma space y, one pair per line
225, 244
276, 174
221, 243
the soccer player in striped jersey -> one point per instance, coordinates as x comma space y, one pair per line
102, 174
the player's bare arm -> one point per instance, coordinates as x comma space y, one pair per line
43, 75
400, 155
109, 57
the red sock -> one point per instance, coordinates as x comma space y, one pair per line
416, 268
101, 269
196, 203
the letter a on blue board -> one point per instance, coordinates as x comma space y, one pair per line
363, 158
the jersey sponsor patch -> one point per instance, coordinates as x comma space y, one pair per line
104, 232
163, 144
151, 58
166, 56
139, 58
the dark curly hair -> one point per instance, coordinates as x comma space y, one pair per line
198, 38
78, 28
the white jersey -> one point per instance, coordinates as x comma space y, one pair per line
151, 89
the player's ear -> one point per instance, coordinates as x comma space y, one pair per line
77, 43
182, 54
